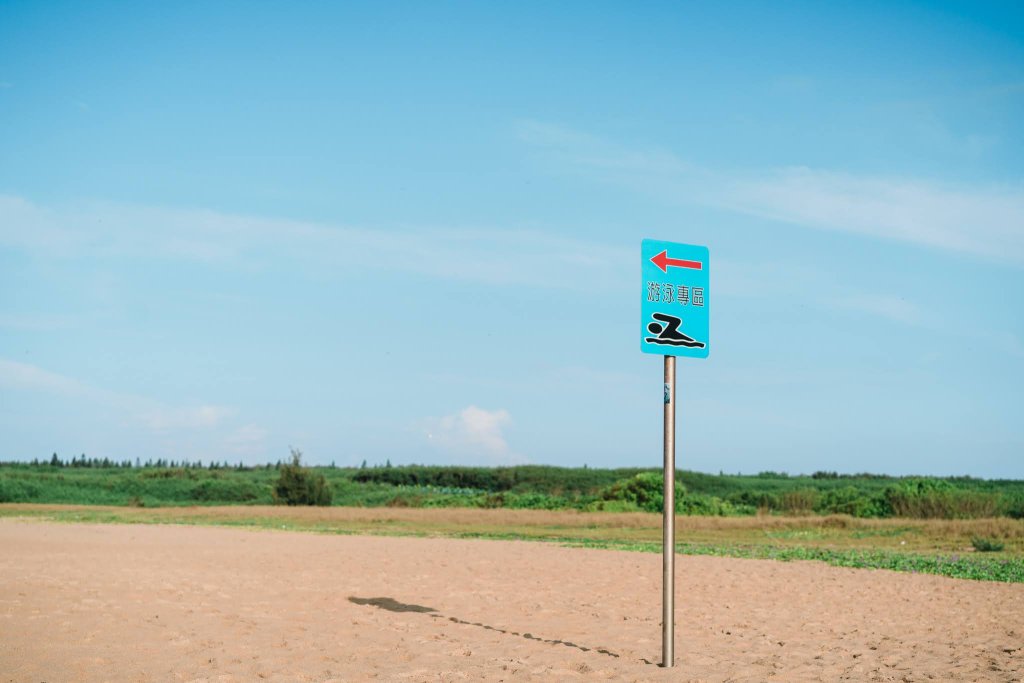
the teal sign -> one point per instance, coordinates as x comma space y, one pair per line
674, 299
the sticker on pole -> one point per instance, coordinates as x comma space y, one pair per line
674, 301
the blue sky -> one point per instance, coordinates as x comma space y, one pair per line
411, 232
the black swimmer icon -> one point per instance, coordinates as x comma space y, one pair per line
669, 333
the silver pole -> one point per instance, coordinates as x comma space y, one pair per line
668, 533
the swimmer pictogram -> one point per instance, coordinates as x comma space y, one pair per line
668, 332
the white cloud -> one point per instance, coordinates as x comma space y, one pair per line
894, 308
473, 431
105, 230
248, 440
900, 310
26, 376
588, 151
163, 419
980, 220
986, 222
151, 414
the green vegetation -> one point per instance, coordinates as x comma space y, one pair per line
958, 526
162, 483
938, 547
955, 566
296, 485
987, 545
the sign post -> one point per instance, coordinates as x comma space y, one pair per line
668, 522
674, 305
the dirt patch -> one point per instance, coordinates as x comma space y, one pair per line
163, 603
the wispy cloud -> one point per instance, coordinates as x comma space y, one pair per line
893, 308
473, 431
986, 222
979, 220
248, 440
162, 419
900, 310
588, 151
153, 415
17, 375
524, 257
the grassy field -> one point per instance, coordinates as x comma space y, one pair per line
959, 527
942, 547
525, 487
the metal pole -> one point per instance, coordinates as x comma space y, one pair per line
668, 532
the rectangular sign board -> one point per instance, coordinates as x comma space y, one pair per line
674, 299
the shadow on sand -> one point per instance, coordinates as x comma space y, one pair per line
392, 605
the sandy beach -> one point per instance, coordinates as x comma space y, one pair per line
179, 603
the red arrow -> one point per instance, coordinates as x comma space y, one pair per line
664, 262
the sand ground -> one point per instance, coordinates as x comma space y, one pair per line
177, 603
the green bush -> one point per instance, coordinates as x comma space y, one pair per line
519, 479
18, 491
799, 501
646, 491
1013, 506
611, 506
849, 500
986, 545
227, 491
758, 500
710, 506
296, 485
937, 499
536, 501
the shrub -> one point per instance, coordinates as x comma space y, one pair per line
937, 499
849, 500
227, 491
296, 485
18, 491
986, 545
168, 473
645, 491
710, 506
535, 501
798, 502
404, 500
611, 506
758, 500
1013, 506
519, 479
